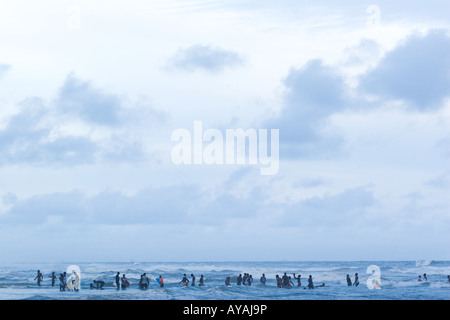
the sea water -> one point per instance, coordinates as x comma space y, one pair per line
398, 280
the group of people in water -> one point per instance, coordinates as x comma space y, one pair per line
144, 281
355, 283
121, 282
185, 281
284, 281
63, 283
426, 279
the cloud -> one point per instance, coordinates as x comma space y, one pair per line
310, 182
27, 139
344, 208
9, 198
80, 98
38, 133
165, 205
366, 50
174, 205
314, 93
4, 68
441, 181
417, 71
203, 57
187, 205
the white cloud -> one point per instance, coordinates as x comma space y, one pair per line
203, 57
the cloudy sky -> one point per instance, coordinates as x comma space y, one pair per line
91, 91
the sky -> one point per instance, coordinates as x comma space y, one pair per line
91, 92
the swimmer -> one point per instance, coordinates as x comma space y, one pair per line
285, 280
425, 277
356, 283
39, 278
227, 281
321, 285
65, 280
349, 281
310, 282
298, 278
125, 283
97, 284
118, 280
161, 282
263, 279
279, 281
144, 282
184, 281
201, 283
420, 278
53, 277
62, 282
239, 280
291, 284
193, 280
249, 280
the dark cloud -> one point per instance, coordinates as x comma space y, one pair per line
203, 57
417, 71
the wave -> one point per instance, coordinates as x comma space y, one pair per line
37, 297
431, 263
423, 263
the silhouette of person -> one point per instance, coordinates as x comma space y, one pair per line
125, 283
97, 284
249, 280
263, 279
279, 281
349, 281
356, 283
118, 280
239, 279
39, 277
299, 279
144, 282
53, 277
184, 281
310, 282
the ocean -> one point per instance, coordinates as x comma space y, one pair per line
397, 279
